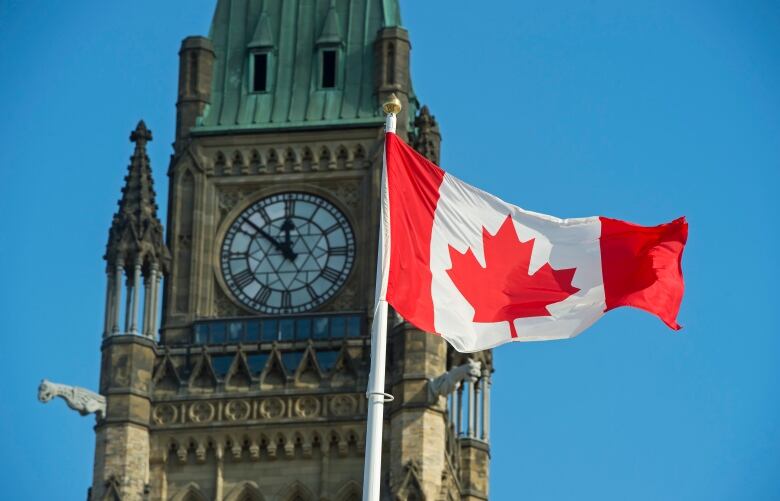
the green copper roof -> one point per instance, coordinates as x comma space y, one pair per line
294, 32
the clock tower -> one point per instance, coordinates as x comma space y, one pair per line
249, 384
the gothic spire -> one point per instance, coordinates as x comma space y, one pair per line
427, 138
136, 233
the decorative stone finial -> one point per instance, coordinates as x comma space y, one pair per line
141, 135
392, 106
426, 138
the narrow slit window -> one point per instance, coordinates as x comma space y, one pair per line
260, 77
328, 69
391, 63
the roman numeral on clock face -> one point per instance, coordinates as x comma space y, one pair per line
338, 251
262, 295
264, 215
286, 299
244, 278
330, 274
289, 208
331, 229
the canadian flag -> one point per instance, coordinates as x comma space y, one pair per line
462, 263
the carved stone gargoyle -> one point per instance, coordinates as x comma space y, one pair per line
450, 380
79, 399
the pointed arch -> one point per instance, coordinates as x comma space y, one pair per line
344, 372
274, 374
359, 156
220, 163
411, 487
338, 441
190, 492
292, 161
255, 160
237, 164
354, 439
343, 160
308, 372
203, 377
245, 491
112, 490
326, 161
296, 491
239, 375
166, 378
307, 159
351, 491
272, 160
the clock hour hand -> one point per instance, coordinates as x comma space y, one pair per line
287, 227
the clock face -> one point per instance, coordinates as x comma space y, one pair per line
287, 253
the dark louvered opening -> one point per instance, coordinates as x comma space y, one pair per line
260, 77
328, 69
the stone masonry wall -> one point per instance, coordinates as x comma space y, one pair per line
122, 453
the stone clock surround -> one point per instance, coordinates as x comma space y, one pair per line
216, 200
314, 279
248, 198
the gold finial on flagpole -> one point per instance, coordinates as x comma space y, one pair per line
392, 106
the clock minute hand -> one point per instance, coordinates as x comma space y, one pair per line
271, 239
283, 248
267, 236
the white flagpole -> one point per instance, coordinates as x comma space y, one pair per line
376, 382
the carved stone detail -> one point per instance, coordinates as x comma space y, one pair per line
228, 199
202, 412
224, 306
345, 301
237, 410
307, 407
450, 380
426, 139
295, 158
79, 399
348, 193
343, 405
272, 408
164, 414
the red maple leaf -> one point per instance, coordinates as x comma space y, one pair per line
504, 290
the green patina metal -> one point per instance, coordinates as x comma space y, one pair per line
294, 33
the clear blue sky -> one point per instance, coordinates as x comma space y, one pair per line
639, 110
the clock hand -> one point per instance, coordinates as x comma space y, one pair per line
287, 227
268, 237
283, 248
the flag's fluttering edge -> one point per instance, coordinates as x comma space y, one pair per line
462, 263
